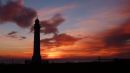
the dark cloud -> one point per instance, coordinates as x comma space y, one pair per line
14, 11
118, 37
22, 37
50, 26
14, 34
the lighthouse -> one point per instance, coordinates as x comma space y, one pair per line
36, 58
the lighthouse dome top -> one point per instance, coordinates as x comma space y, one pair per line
37, 21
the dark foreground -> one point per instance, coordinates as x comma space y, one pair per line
119, 65
97, 66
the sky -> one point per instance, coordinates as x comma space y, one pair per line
71, 29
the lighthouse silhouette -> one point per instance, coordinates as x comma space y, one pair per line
36, 58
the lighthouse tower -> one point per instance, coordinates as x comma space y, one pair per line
36, 58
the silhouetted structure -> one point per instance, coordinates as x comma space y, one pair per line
36, 58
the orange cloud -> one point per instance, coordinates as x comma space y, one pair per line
59, 40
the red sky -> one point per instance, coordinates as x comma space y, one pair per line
82, 29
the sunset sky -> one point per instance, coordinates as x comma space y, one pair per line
82, 28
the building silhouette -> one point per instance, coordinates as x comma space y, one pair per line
36, 58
